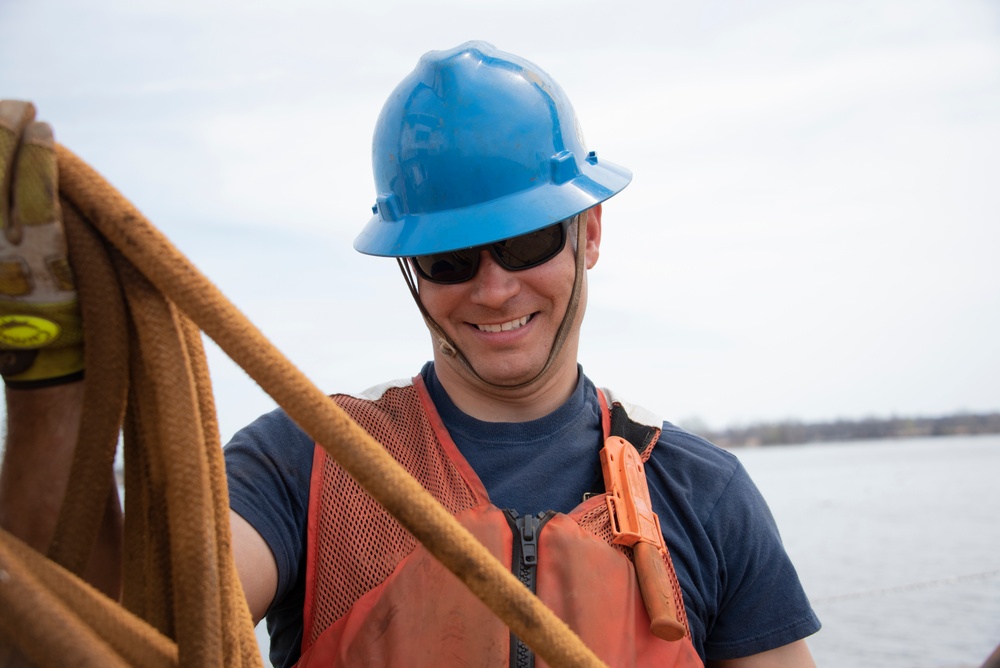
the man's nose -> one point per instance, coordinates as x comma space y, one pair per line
493, 285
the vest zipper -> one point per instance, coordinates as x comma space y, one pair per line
524, 564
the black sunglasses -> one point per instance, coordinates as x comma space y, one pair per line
514, 254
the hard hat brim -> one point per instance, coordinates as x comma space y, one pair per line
501, 218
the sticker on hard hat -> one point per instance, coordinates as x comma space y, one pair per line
27, 331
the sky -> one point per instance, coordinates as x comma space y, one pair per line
811, 233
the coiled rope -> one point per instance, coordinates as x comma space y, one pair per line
144, 304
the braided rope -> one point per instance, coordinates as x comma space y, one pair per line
179, 573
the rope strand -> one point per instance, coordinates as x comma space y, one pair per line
179, 574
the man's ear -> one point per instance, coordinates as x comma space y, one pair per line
593, 247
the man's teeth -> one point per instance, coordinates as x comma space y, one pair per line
505, 327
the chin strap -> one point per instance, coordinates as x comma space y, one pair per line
450, 348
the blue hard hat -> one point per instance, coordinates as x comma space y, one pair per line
475, 146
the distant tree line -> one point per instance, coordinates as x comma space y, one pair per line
783, 433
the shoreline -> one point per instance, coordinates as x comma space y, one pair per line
795, 432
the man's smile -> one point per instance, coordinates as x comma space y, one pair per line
506, 326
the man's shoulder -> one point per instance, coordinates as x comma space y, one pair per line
672, 436
678, 452
695, 458
697, 447
636, 412
376, 392
275, 423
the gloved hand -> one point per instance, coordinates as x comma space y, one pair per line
41, 334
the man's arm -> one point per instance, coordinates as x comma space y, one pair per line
41, 435
794, 655
268, 468
42, 428
41, 348
255, 565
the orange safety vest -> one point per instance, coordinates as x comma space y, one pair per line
376, 597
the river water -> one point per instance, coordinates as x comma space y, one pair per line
897, 543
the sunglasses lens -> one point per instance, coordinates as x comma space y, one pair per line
453, 267
531, 249
523, 252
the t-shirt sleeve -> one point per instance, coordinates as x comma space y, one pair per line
741, 591
268, 465
761, 604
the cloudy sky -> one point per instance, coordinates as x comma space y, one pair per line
812, 230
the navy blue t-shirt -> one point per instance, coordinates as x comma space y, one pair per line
740, 589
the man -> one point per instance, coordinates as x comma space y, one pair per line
493, 208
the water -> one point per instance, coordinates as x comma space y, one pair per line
897, 545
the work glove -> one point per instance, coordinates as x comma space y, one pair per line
41, 334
